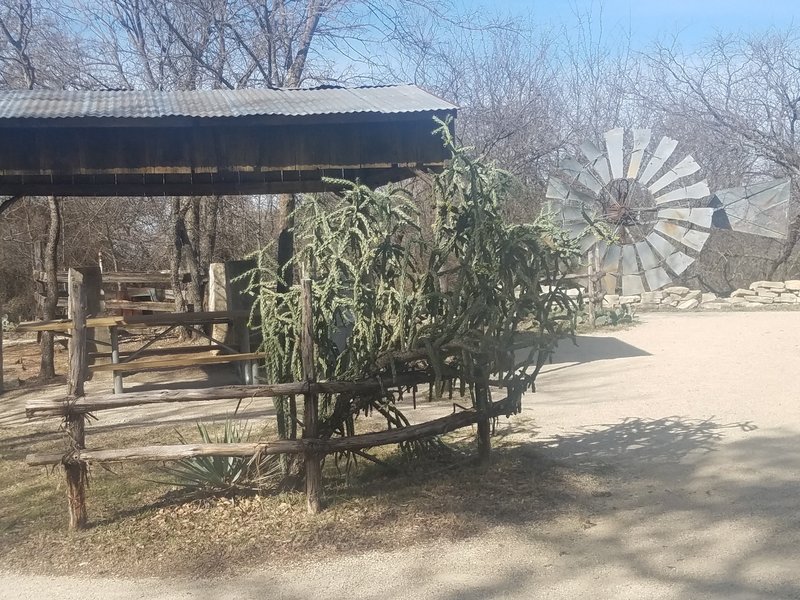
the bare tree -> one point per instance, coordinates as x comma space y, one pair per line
747, 91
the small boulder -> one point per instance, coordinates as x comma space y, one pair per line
689, 304
740, 293
676, 289
758, 300
772, 285
708, 297
793, 285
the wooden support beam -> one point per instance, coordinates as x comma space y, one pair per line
137, 305
174, 362
139, 321
141, 277
310, 404
169, 351
440, 426
76, 470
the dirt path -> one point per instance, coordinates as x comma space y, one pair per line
692, 423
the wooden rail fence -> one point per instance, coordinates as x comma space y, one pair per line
75, 406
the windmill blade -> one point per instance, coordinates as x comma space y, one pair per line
632, 285
577, 172
610, 262
695, 239
597, 160
629, 264
697, 216
587, 243
762, 209
614, 142
558, 190
662, 246
565, 212
657, 278
641, 140
647, 257
688, 237
662, 153
692, 192
678, 262
688, 166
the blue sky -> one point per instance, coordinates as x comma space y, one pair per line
648, 20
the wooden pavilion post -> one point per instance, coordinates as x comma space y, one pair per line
76, 470
311, 407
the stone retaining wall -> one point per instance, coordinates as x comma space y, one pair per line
759, 295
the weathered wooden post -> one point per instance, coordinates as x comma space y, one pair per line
76, 470
482, 406
599, 277
591, 290
1, 348
311, 408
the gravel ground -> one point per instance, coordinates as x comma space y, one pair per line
692, 422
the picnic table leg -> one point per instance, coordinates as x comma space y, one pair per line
114, 335
243, 333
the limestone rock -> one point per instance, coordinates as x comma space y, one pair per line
758, 300
740, 293
629, 299
689, 304
772, 285
787, 299
611, 300
652, 297
752, 305
708, 297
676, 289
649, 306
735, 300
692, 295
764, 293
716, 305
793, 285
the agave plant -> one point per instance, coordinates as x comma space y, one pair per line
224, 474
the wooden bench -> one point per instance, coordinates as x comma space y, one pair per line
178, 362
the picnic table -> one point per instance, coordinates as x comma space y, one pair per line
146, 358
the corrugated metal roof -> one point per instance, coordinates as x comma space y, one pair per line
51, 104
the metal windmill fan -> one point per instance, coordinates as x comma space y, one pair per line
655, 231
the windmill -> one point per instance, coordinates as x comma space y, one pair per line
642, 212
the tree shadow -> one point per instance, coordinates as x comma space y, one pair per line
591, 348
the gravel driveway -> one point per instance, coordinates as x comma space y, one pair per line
692, 421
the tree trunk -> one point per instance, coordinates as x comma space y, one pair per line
47, 366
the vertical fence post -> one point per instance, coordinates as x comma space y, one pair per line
591, 291
599, 285
311, 407
1, 348
482, 404
76, 471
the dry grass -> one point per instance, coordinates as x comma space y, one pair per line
140, 527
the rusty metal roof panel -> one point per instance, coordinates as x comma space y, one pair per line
54, 104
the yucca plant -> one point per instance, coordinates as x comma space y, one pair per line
227, 475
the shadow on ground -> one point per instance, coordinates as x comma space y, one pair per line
671, 507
